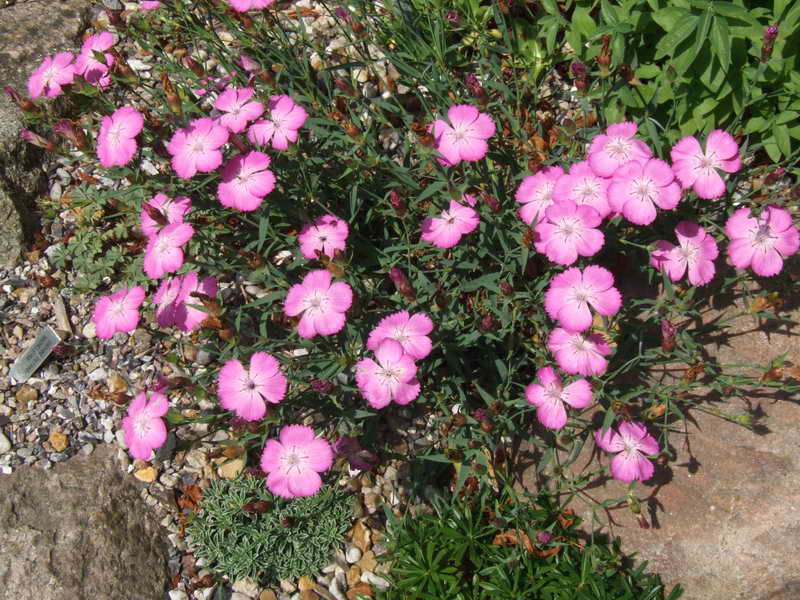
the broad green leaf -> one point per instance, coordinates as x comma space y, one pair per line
785, 117
781, 135
648, 71
702, 33
584, 23
721, 42
733, 11
667, 18
771, 147
682, 30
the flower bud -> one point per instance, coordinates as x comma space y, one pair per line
194, 66
770, 34
487, 324
453, 18
65, 129
173, 100
24, 104
668, 331
774, 176
506, 288
322, 386
402, 284
36, 140
397, 203
492, 202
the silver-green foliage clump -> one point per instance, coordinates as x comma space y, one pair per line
291, 538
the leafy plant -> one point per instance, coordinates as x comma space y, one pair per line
491, 546
242, 530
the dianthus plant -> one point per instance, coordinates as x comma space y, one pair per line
387, 233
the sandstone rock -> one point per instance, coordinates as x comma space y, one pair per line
77, 529
29, 33
58, 440
359, 590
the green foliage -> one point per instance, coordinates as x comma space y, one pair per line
486, 547
292, 538
693, 65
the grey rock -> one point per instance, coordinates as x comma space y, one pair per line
113, 4
5, 444
79, 528
29, 33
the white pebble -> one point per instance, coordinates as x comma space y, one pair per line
178, 595
353, 555
5, 444
375, 580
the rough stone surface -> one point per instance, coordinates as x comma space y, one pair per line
79, 530
30, 31
725, 514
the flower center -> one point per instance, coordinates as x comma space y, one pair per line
400, 334
763, 237
688, 253
582, 294
545, 193
118, 309
389, 375
553, 393
587, 190
316, 302
460, 133
294, 459
644, 189
142, 424
163, 245
619, 148
707, 163
569, 227
198, 146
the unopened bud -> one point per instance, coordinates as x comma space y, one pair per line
194, 66
24, 104
322, 386
453, 18
774, 176
487, 324
397, 203
506, 288
668, 331
492, 202
173, 100
65, 129
36, 140
529, 237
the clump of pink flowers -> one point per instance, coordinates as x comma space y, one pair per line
237, 108
174, 301
579, 353
762, 242
464, 136
391, 377
638, 188
164, 251
245, 181
245, 391
167, 211
631, 442
294, 461
549, 397
699, 169
535, 193
197, 147
116, 142
445, 231
118, 312
144, 428
326, 236
617, 146
572, 292
52, 74
569, 231
94, 71
411, 331
320, 303
695, 254
286, 117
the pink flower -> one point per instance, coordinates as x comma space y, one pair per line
244, 391
638, 187
570, 294
411, 331
172, 210
698, 170
149, 4
245, 180
632, 443
196, 148
285, 119
173, 295
464, 138
53, 72
94, 71
245, 5
116, 143
577, 352
164, 253
762, 243
567, 231
446, 231
144, 429
326, 235
118, 312
295, 462
237, 108
612, 149
549, 397
190, 318
391, 378
212, 84
695, 252
248, 64
535, 193
321, 303
582, 186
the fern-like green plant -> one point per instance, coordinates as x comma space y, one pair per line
289, 539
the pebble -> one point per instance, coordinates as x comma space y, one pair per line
55, 192
268, 595
338, 587
239, 596
178, 595
376, 580
353, 554
5, 444
98, 374
247, 587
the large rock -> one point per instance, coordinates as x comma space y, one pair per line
30, 31
725, 513
79, 531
